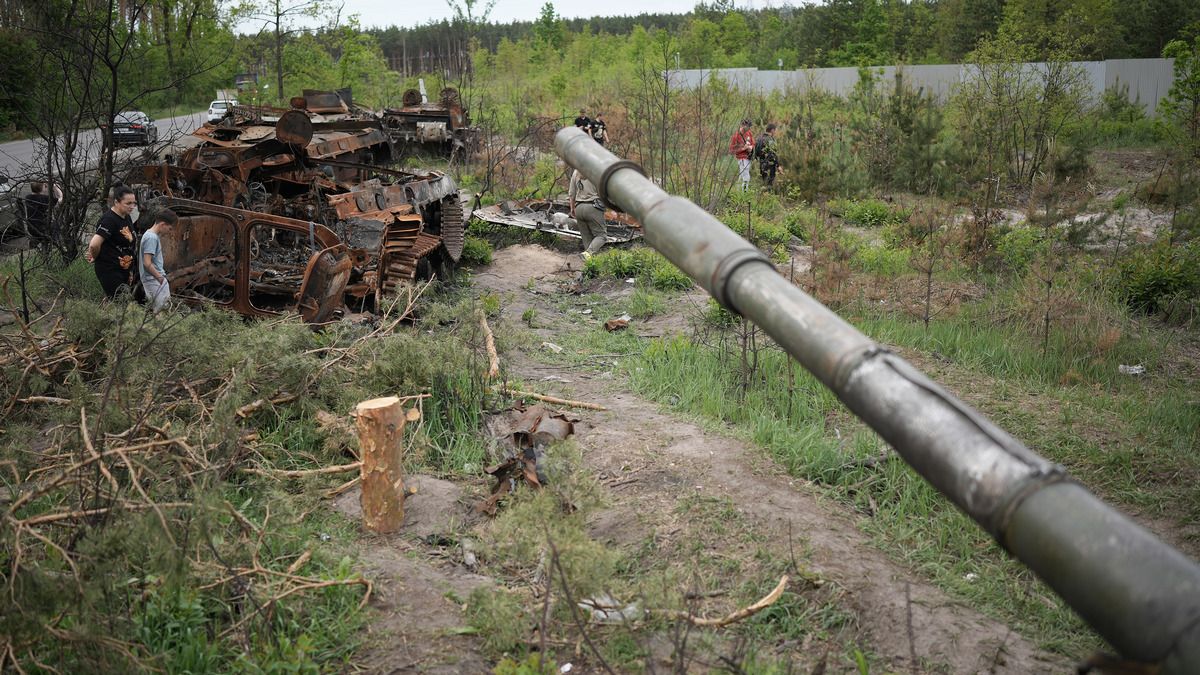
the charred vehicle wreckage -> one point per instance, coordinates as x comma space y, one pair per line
297, 211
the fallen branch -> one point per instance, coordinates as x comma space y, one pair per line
489, 342
84, 513
49, 400
252, 407
552, 399
343, 487
739, 615
298, 473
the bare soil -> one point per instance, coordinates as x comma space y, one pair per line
653, 463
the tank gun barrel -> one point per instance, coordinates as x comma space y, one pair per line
1136, 591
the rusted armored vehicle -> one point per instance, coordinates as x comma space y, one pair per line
442, 127
300, 216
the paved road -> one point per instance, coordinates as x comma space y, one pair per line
18, 154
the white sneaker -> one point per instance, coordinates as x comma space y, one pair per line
586, 255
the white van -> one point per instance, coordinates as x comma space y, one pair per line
218, 109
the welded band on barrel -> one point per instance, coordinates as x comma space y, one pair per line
602, 186
1033, 484
724, 270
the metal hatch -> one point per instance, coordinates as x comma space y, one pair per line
324, 284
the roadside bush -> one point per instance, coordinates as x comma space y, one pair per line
476, 251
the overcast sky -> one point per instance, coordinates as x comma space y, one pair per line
408, 13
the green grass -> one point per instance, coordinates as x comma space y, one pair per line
909, 519
170, 595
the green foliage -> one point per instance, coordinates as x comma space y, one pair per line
717, 316
868, 212
500, 619
1163, 279
643, 304
801, 220
1020, 246
1182, 104
882, 260
476, 251
529, 316
642, 263
175, 627
532, 664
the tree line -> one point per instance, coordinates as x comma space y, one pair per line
831, 32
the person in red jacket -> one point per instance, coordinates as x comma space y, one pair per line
741, 146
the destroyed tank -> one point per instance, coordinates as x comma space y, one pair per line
442, 127
300, 215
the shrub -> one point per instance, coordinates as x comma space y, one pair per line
801, 221
667, 277
1161, 278
1019, 246
882, 260
717, 316
476, 251
642, 263
867, 212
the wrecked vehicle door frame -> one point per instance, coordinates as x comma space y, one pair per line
323, 240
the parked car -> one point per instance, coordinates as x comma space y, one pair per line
218, 109
134, 127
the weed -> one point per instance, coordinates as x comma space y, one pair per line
476, 251
500, 618
643, 304
643, 263
867, 212
882, 260
529, 316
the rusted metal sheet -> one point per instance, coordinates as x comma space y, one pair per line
553, 216
526, 432
324, 284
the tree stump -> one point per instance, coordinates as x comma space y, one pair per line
380, 424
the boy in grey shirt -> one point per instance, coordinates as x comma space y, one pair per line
154, 277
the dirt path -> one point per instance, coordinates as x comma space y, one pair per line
657, 466
671, 455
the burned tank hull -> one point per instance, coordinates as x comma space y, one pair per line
301, 215
442, 127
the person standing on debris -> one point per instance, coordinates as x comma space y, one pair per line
768, 159
113, 247
37, 213
741, 146
588, 211
599, 129
154, 277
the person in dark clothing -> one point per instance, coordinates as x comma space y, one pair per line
114, 246
583, 121
599, 129
768, 159
37, 213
